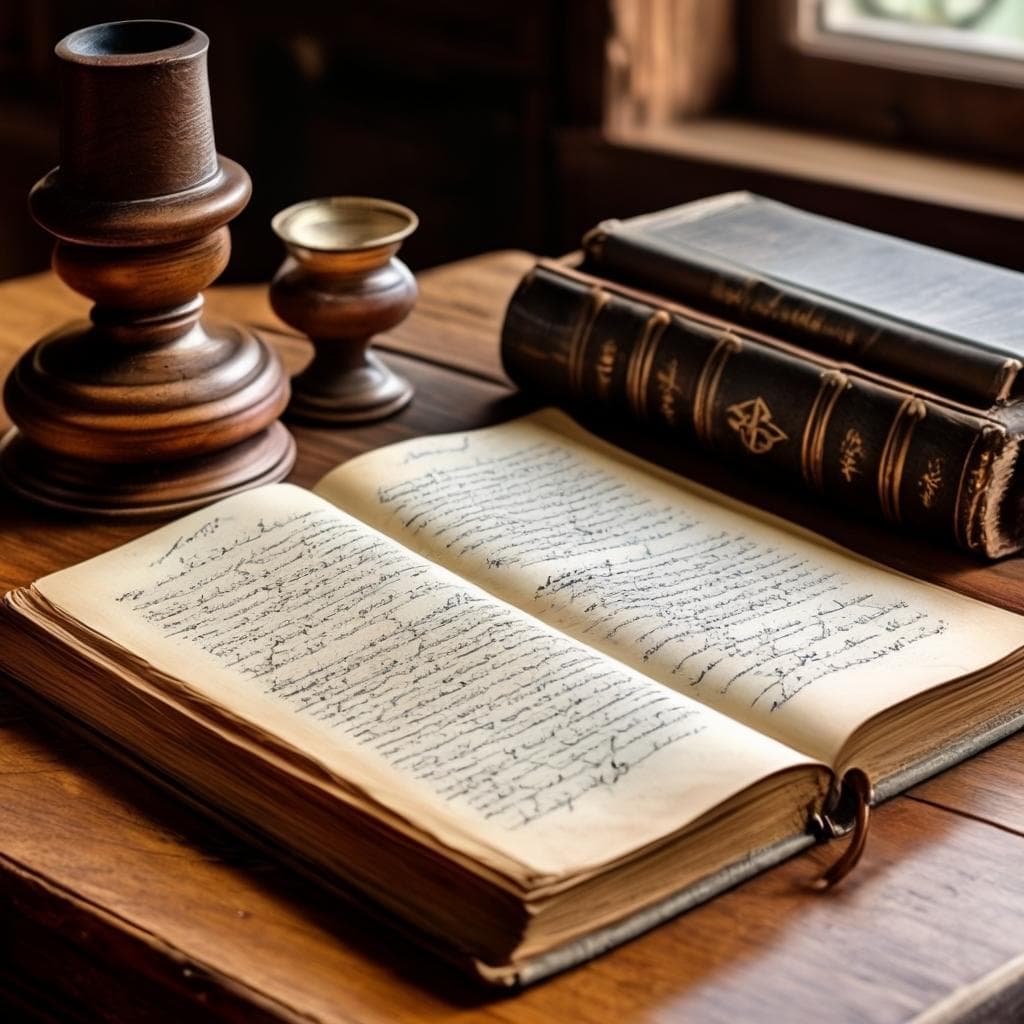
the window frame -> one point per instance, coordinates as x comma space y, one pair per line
838, 88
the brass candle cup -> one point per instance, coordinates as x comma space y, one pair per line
341, 284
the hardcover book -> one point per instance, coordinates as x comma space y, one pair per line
869, 444
924, 316
525, 692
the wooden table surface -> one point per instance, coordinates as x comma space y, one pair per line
117, 903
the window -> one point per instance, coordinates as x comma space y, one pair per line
901, 115
982, 39
942, 74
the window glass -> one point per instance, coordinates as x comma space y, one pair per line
972, 38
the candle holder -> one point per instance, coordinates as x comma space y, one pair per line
341, 284
147, 409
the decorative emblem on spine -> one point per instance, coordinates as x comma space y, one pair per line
851, 454
930, 482
752, 420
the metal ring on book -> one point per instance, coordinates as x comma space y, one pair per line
856, 786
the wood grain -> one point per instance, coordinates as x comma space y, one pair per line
989, 787
116, 898
145, 407
139, 884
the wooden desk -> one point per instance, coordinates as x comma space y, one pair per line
117, 903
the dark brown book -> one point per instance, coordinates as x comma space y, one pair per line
930, 318
870, 445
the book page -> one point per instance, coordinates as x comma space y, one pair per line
496, 734
757, 618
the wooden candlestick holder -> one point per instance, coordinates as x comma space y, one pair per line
340, 285
146, 409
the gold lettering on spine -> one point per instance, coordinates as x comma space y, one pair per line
735, 295
894, 456
578, 343
669, 391
707, 384
812, 446
931, 481
641, 359
851, 454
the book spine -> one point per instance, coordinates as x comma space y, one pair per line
821, 323
865, 445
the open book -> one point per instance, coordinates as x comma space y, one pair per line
529, 694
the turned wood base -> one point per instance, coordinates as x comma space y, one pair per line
358, 395
146, 409
113, 421
147, 490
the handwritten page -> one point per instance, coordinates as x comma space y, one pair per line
799, 640
474, 720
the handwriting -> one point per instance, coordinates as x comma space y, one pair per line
353, 633
206, 530
650, 581
426, 453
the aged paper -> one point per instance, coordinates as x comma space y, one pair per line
445, 705
758, 619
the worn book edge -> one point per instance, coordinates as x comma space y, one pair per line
520, 974
512, 976
986, 476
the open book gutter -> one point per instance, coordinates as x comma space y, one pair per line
520, 666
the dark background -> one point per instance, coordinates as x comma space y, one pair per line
485, 116
448, 106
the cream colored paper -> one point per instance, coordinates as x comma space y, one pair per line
502, 737
758, 619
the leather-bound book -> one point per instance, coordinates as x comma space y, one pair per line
871, 445
924, 316
517, 690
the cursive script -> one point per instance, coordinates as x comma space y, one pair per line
352, 632
658, 583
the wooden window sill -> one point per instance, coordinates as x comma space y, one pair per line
833, 160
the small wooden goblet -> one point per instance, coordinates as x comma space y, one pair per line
340, 285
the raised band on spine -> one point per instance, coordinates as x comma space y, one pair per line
707, 384
641, 360
578, 343
894, 455
812, 447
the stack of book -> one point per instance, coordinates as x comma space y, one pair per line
525, 695
881, 374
